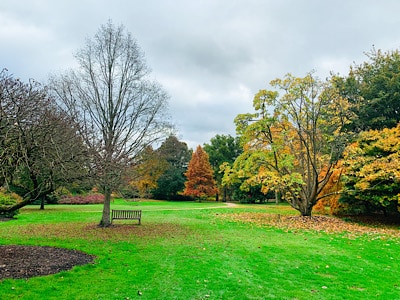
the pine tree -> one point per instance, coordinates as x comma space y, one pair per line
200, 181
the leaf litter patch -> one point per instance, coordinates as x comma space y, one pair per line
113, 233
315, 223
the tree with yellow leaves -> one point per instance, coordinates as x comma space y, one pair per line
147, 170
290, 139
372, 171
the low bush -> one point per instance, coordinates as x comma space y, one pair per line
82, 199
7, 200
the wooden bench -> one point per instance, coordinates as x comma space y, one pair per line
126, 215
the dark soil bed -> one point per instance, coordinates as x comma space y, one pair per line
29, 261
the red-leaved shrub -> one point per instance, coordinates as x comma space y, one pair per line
82, 199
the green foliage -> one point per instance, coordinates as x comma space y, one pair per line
223, 149
373, 91
171, 182
169, 185
7, 200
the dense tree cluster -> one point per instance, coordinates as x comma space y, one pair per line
334, 141
171, 183
373, 91
222, 151
159, 173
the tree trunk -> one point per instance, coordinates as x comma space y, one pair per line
306, 212
224, 197
105, 220
305, 209
42, 203
277, 197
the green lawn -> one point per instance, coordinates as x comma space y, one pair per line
186, 250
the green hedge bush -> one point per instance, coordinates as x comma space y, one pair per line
7, 200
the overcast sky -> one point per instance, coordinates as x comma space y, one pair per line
211, 56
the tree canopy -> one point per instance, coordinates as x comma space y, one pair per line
373, 91
372, 171
222, 149
146, 171
39, 148
290, 139
176, 156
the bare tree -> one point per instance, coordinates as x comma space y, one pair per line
39, 148
119, 109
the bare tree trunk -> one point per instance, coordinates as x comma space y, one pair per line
224, 197
305, 207
277, 197
42, 203
105, 219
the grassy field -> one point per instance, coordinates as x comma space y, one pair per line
187, 250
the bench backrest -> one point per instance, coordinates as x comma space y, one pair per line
126, 214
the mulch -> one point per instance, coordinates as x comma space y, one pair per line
28, 261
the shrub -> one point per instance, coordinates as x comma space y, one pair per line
7, 200
56, 195
82, 199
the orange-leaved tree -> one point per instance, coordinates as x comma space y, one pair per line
200, 182
329, 203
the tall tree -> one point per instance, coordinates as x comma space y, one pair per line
177, 156
175, 152
200, 182
119, 109
373, 91
286, 150
222, 149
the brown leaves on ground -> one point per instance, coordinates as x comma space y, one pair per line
92, 232
317, 223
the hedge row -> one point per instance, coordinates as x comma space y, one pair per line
87, 199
